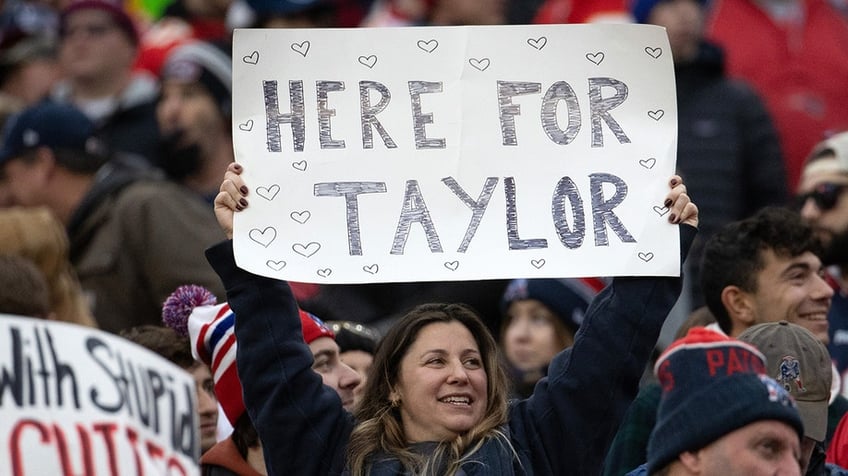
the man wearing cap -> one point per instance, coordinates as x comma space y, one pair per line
798, 361
133, 236
823, 202
720, 414
98, 44
193, 113
764, 268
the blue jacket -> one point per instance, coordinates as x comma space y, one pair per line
564, 428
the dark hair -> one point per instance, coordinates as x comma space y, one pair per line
23, 288
380, 429
244, 435
164, 341
734, 255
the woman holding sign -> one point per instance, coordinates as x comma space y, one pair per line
436, 400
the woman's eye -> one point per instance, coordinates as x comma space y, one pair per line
473, 363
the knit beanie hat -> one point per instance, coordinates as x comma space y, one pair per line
204, 63
211, 329
801, 363
313, 328
567, 298
712, 385
115, 10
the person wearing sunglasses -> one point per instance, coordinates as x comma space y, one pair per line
822, 200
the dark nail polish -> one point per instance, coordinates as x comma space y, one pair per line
667, 202
243, 189
672, 218
239, 207
242, 202
673, 182
237, 167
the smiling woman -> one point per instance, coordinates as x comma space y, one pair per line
436, 398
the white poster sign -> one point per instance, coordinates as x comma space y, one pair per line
75, 400
455, 153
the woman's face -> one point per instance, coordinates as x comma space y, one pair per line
530, 340
442, 385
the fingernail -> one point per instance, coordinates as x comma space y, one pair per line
243, 189
239, 207
242, 202
237, 167
667, 202
672, 218
673, 182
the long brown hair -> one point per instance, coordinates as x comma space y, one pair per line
380, 430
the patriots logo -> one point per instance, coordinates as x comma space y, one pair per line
776, 392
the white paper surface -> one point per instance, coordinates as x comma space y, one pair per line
455, 153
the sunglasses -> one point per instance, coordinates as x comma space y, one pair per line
825, 195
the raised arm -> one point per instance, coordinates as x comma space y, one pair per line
589, 386
296, 416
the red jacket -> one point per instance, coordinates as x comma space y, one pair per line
225, 455
800, 71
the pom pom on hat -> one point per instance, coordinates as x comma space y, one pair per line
712, 385
179, 305
191, 311
211, 329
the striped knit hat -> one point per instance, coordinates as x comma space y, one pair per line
213, 342
211, 329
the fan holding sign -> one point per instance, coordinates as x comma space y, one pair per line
460, 153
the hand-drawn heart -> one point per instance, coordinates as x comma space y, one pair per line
300, 165
537, 263
480, 64
263, 237
253, 58
646, 256
301, 48
660, 210
452, 265
656, 115
324, 272
275, 265
428, 45
306, 250
653, 52
246, 126
368, 61
268, 193
301, 217
537, 43
371, 269
596, 58
648, 163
